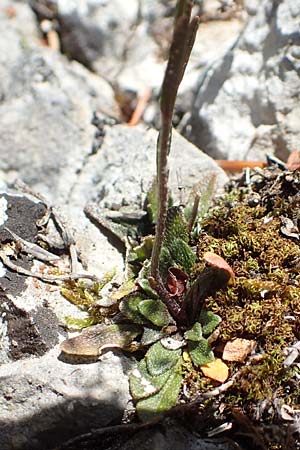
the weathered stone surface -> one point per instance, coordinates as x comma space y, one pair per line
108, 36
128, 43
124, 169
251, 6
45, 400
45, 397
21, 33
247, 104
46, 111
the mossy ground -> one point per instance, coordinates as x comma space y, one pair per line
254, 227
246, 228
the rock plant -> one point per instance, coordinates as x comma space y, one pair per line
175, 306
161, 316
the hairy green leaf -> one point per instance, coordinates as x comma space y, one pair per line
182, 253
143, 250
165, 261
195, 333
142, 384
178, 254
159, 359
145, 285
151, 335
200, 352
152, 202
209, 321
143, 282
176, 226
129, 307
163, 400
176, 251
155, 311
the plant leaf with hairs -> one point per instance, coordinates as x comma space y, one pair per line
143, 281
200, 352
209, 321
151, 335
144, 249
165, 261
182, 253
129, 307
142, 384
195, 333
159, 359
176, 226
175, 250
163, 400
155, 311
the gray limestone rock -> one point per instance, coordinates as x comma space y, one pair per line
122, 172
45, 397
247, 103
47, 112
128, 43
45, 400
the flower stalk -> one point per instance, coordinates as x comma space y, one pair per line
184, 35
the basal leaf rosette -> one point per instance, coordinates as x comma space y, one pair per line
156, 382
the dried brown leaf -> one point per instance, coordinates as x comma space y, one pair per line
176, 281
